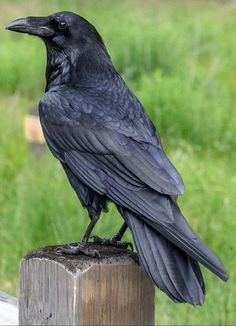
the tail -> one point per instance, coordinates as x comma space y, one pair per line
172, 270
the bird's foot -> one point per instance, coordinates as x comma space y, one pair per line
78, 248
112, 242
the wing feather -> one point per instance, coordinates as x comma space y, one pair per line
97, 123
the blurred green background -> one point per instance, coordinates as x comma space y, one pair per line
179, 57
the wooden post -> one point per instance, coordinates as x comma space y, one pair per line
34, 133
8, 310
58, 289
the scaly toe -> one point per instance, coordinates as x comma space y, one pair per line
112, 242
123, 244
79, 248
99, 240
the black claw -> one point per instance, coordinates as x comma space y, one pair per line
79, 248
112, 242
94, 253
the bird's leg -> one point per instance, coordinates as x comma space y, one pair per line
115, 240
82, 247
119, 235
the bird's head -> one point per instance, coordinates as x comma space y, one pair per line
74, 47
63, 30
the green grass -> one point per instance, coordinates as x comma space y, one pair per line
179, 58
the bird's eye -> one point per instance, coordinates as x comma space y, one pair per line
62, 25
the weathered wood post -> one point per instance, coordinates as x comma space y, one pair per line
8, 310
57, 289
34, 133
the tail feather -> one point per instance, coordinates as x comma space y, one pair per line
171, 269
163, 214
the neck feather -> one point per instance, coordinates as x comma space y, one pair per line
77, 67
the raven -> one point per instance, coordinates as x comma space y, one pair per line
110, 151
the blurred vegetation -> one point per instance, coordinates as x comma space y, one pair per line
179, 57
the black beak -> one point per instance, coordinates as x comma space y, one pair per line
39, 26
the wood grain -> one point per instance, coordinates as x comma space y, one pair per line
57, 289
8, 310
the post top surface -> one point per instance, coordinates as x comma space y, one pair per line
78, 263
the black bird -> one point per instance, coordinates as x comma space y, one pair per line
96, 127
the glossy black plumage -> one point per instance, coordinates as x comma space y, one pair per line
109, 149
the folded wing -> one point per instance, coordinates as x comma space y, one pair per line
115, 161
